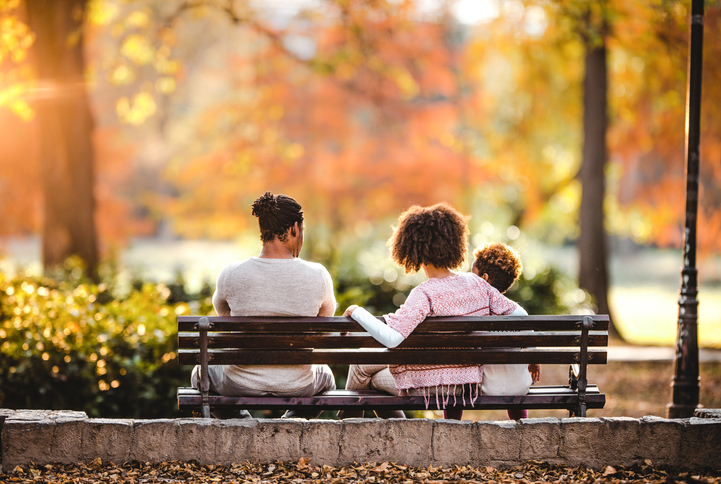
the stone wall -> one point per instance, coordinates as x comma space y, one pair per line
45, 437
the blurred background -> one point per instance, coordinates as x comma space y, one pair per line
136, 134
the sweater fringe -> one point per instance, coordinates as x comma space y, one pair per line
443, 394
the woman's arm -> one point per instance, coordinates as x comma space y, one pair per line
384, 334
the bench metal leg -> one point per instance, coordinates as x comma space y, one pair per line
203, 326
581, 382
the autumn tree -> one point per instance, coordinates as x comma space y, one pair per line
52, 33
649, 134
65, 127
592, 243
73, 196
337, 128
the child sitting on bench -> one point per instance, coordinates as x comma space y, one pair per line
500, 266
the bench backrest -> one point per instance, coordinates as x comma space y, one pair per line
565, 339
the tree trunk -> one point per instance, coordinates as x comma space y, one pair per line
592, 245
65, 126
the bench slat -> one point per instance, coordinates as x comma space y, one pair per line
267, 324
392, 357
537, 398
364, 340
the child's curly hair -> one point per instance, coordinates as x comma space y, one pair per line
500, 262
433, 235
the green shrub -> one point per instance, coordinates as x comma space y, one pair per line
549, 292
70, 344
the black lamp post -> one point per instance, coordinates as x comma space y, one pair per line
685, 383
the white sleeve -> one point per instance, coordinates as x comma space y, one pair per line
384, 334
519, 311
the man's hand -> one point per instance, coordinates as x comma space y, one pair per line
535, 370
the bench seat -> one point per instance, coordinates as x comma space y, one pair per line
538, 397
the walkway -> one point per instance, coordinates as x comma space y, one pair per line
656, 353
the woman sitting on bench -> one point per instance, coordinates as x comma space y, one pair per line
433, 239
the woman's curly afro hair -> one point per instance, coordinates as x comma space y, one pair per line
500, 262
276, 214
433, 235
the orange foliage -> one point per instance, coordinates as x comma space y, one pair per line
389, 109
20, 185
113, 216
648, 137
360, 133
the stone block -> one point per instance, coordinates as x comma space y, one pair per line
361, 441
701, 443
67, 440
154, 441
408, 441
661, 440
278, 439
25, 441
320, 442
234, 441
195, 440
499, 442
618, 442
108, 439
456, 443
540, 439
580, 442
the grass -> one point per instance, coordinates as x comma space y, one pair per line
644, 292
648, 315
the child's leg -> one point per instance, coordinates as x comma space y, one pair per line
517, 413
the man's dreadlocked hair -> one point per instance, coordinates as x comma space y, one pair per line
276, 214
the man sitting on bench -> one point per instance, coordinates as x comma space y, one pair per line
276, 283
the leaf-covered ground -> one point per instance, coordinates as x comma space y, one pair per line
305, 472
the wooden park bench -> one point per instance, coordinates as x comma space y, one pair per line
218, 340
